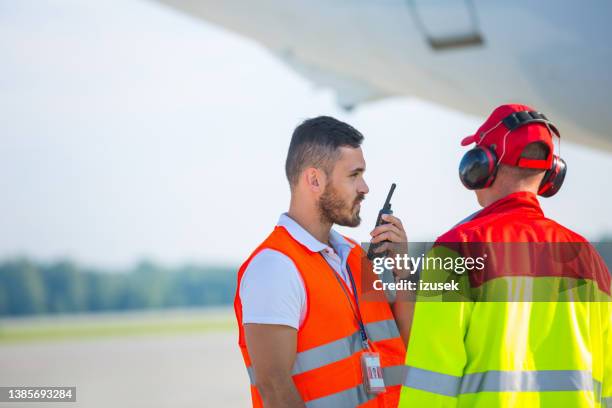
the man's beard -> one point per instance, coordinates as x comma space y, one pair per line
334, 210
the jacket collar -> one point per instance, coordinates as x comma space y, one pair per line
523, 201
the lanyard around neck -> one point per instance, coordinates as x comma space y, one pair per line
356, 313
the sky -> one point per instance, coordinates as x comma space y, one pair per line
131, 131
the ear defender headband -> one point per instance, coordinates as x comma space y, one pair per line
479, 165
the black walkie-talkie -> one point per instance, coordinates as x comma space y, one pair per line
379, 221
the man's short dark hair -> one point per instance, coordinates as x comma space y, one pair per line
315, 143
533, 151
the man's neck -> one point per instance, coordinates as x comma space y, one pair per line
311, 222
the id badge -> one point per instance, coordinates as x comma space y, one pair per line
373, 380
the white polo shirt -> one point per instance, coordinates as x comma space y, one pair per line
272, 290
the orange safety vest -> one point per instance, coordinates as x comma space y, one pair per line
327, 370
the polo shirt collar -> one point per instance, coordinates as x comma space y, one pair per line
305, 238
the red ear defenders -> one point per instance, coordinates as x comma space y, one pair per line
478, 166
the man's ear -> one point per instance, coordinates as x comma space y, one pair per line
316, 179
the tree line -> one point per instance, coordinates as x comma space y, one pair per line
28, 287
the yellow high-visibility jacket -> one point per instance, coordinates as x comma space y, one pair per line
499, 345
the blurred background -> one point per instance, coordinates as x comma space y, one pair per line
142, 159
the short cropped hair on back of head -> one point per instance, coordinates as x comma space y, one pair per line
533, 151
315, 143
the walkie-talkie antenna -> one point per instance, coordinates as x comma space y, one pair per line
379, 221
388, 200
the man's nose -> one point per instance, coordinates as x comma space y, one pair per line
363, 188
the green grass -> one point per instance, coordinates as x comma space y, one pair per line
95, 330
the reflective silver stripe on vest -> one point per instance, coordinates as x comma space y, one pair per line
342, 348
499, 381
431, 381
347, 398
382, 330
251, 374
393, 375
606, 402
326, 354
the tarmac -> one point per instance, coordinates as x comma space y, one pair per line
183, 370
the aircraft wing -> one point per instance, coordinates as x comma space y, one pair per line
467, 55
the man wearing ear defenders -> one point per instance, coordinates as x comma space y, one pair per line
534, 329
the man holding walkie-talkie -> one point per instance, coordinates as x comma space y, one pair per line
306, 335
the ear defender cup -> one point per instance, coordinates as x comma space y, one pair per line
478, 168
553, 178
